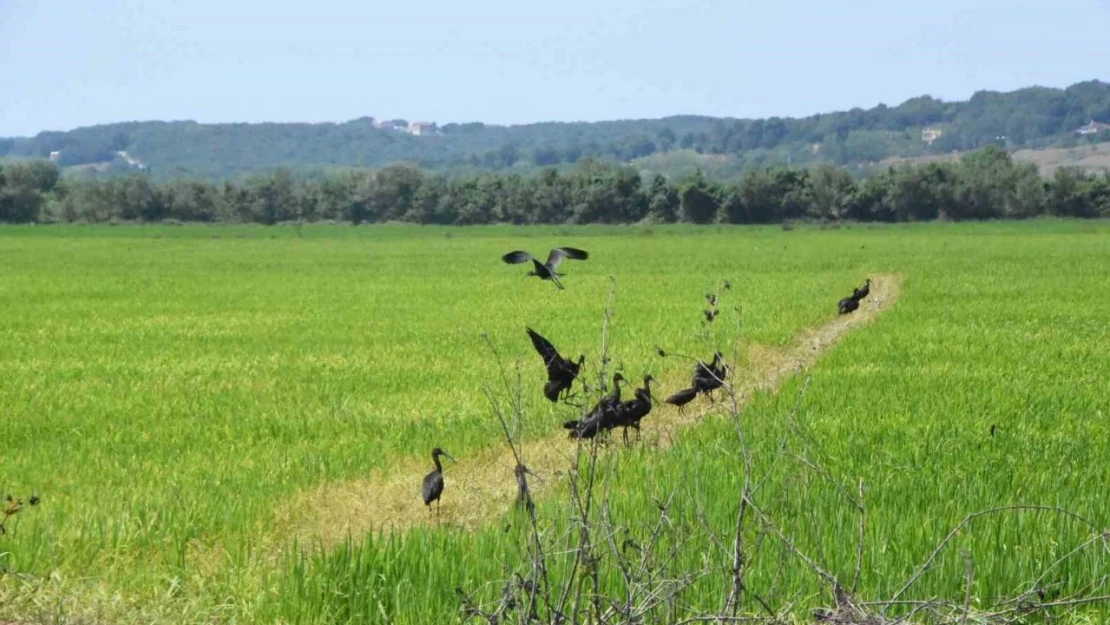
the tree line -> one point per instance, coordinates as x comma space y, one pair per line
1030, 117
985, 184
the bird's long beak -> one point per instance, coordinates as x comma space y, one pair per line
450, 456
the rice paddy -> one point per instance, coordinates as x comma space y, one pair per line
229, 424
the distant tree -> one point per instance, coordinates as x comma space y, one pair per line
696, 198
830, 190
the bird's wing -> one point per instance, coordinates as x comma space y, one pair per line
516, 257
559, 253
544, 347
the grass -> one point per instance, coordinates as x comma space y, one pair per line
170, 390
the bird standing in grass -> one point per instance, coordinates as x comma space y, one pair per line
560, 371
602, 416
847, 305
546, 270
707, 378
634, 410
433, 482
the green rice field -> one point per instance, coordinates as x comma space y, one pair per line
210, 414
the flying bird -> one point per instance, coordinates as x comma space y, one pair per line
560, 371
546, 270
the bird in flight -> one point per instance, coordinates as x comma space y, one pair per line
560, 371
546, 270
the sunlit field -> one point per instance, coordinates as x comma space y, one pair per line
211, 415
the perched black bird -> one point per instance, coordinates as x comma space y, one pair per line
560, 371
847, 305
433, 482
860, 294
634, 410
602, 416
546, 271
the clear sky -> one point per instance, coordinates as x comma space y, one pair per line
69, 63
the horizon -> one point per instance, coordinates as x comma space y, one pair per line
544, 121
280, 63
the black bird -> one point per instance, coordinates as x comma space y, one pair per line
634, 410
602, 416
682, 398
433, 482
708, 378
847, 305
710, 314
711, 298
859, 294
560, 371
546, 271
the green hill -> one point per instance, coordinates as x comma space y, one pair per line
1032, 117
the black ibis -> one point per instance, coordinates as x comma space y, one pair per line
681, 398
560, 371
601, 416
634, 410
847, 305
546, 270
433, 482
710, 313
708, 378
859, 294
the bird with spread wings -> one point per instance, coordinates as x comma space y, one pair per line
546, 270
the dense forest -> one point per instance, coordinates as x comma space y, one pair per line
983, 184
1030, 117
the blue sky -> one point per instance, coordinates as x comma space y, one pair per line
65, 63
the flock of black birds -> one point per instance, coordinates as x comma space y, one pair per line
850, 303
610, 412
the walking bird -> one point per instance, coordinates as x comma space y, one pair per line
707, 378
560, 371
847, 305
859, 294
546, 270
634, 410
602, 416
433, 482
681, 398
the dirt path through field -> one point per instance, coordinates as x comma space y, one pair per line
481, 484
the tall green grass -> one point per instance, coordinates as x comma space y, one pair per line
166, 389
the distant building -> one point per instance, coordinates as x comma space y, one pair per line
55, 155
1092, 127
422, 128
929, 135
391, 124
